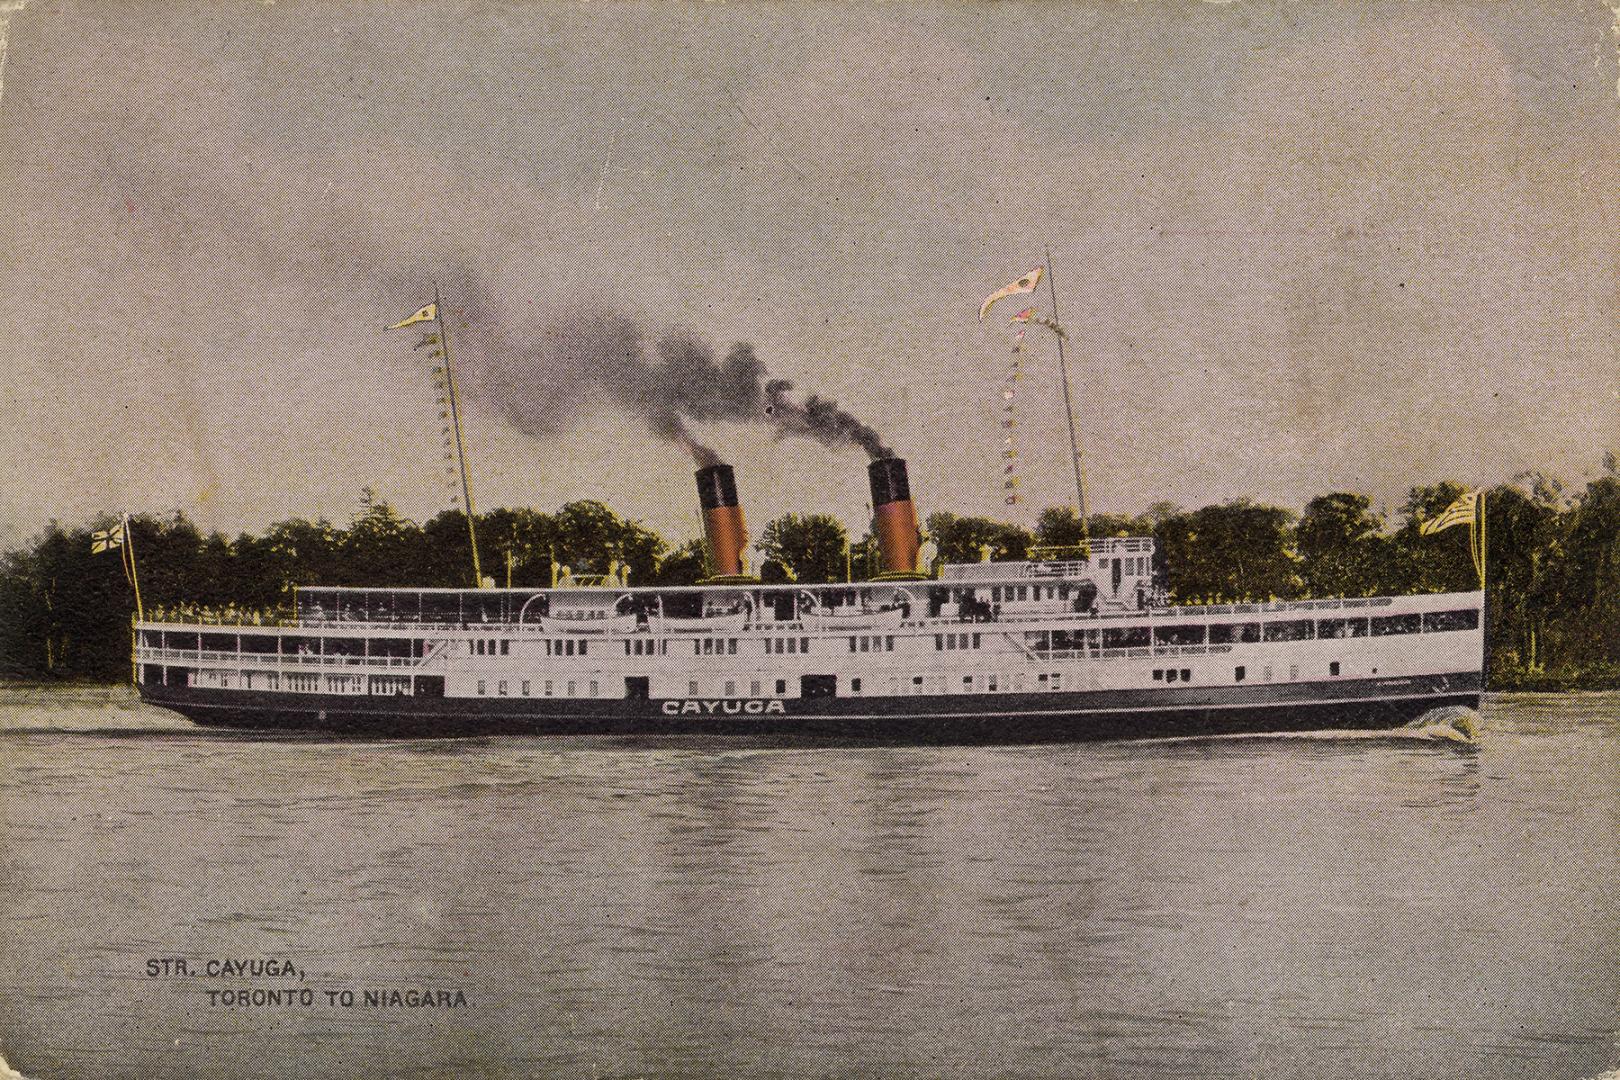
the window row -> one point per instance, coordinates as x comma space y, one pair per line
1139, 637
549, 687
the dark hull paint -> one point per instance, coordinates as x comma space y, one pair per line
976, 718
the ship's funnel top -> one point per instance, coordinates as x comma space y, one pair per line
723, 525
889, 481
717, 486
894, 516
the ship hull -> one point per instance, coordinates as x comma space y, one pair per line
965, 718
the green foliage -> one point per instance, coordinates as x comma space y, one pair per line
807, 548
962, 539
686, 565
1233, 551
1339, 540
1553, 606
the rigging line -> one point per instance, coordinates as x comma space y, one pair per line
726, 90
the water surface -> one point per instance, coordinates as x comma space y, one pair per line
1331, 905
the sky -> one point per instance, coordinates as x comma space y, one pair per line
1296, 248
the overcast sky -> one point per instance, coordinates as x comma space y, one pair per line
1297, 247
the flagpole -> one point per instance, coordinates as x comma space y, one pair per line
1068, 403
134, 575
455, 423
1484, 601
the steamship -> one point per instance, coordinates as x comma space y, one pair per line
1047, 649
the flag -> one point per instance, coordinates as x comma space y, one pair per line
107, 539
1024, 284
1461, 512
426, 313
1050, 324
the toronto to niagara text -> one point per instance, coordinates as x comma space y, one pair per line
268, 982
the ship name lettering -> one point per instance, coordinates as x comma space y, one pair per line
727, 706
270, 968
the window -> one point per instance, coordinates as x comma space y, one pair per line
1232, 633
967, 682
855, 685
482, 688
731, 646
691, 688
852, 643
1293, 672
583, 647
506, 647
804, 645
781, 686
596, 688
525, 687
1238, 673
1127, 637
1170, 675
1158, 675
993, 684
573, 688
500, 688
1290, 630
975, 641
1178, 635
1437, 621
549, 689
1186, 674
888, 643
1384, 625
731, 688
753, 688
1341, 628
1333, 668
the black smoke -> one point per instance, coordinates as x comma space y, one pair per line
604, 359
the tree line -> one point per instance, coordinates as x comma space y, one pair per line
1553, 615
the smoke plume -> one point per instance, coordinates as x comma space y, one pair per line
539, 385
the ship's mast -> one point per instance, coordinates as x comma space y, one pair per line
455, 425
1068, 404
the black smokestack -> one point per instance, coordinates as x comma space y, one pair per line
889, 481
717, 486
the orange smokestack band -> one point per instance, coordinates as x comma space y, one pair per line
723, 525
894, 515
